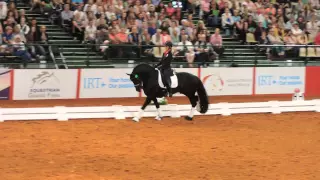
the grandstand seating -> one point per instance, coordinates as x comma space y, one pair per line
67, 50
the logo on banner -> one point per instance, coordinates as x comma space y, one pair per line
215, 82
45, 84
218, 83
268, 80
111, 82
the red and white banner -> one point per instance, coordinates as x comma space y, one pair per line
45, 84
227, 81
279, 80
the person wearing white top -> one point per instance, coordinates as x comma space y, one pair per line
3, 10
185, 48
90, 32
296, 31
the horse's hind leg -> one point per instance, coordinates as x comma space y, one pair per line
193, 100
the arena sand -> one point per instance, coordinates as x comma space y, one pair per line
237, 147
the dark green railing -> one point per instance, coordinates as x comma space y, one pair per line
87, 56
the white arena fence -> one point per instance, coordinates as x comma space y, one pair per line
62, 113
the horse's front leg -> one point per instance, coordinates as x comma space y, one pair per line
145, 104
159, 116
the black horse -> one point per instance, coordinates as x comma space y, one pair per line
146, 77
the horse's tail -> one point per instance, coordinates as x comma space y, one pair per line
203, 97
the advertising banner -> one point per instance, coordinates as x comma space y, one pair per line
227, 81
5, 80
312, 81
279, 80
193, 71
45, 84
106, 83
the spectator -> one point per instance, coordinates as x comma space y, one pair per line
122, 38
67, 15
78, 27
8, 35
3, 11
170, 10
24, 27
227, 22
158, 41
152, 29
13, 9
147, 46
312, 28
22, 14
185, 48
17, 32
290, 40
275, 40
90, 32
202, 49
135, 39
296, 31
174, 27
19, 49
289, 24
216, 42
213, 18
175, 37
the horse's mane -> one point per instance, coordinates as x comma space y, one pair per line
143, 67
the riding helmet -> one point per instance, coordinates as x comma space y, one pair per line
169, 44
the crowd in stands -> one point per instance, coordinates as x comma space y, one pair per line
16, 30
112, 25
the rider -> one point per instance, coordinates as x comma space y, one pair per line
165, 66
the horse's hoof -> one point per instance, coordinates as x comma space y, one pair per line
158, 118
135, 119
188, 118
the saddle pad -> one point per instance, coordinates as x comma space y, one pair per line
174, 80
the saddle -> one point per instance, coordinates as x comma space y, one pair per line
173, 77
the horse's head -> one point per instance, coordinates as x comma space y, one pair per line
139, 74
136, 81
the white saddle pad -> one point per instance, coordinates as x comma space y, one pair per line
174, 80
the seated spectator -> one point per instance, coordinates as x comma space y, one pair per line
185, 48
122, 37
19, 49
289, 39
3, 11
174, 26
289, 24
175, 37
90, 32
12, 8
312, 28
147, 47
202, 50
158, 41
22, 14
7, 36
296, 31
258, 32
205, 9
241, 31
227, 22
135, 39
17, 32
275, 40
152, 29
78, 27
67, 16
216, 42
213, 18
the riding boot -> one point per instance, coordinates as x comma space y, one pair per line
169, 91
